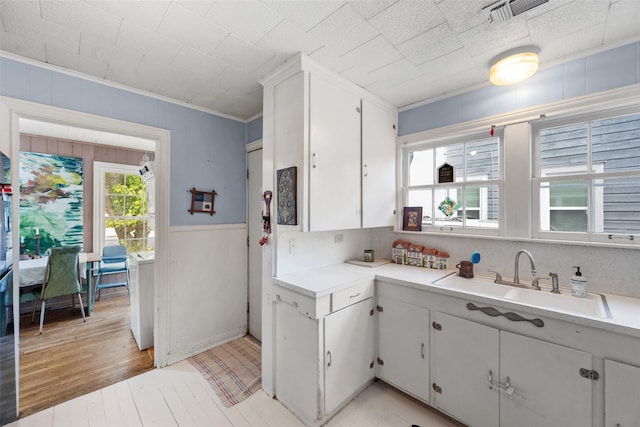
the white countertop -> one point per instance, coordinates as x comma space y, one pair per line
320, 282
143, 257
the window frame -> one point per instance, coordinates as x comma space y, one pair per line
594, 195
99, 171
465, 183
518, 205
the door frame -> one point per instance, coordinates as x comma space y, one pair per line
17, 109
251, 147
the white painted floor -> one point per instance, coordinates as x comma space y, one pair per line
179, 396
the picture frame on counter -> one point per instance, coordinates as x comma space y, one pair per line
412, 218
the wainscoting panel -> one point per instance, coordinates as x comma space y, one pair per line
207, 287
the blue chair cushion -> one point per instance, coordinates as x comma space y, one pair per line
112, 267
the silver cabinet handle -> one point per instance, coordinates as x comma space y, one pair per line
366, 170
354, 295
328, 358
422, 350
504, 388
314, 160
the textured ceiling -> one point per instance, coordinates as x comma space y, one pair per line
212, 54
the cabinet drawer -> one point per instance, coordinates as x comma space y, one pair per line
314, 308
351, 295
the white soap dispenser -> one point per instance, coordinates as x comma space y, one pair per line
578, 284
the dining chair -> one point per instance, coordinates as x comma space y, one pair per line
114, 261
61, 278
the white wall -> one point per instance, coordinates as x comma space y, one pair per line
313, 250
208, 287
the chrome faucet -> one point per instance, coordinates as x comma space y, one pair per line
516, 276
554, 283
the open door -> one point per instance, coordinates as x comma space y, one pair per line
8, 321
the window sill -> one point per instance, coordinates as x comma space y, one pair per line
521, 239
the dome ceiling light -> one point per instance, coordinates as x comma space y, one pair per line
514, 66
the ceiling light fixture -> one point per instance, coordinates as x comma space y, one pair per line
514, 65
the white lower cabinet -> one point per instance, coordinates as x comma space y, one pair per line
487, 377
548, 388
320, 364
465, 353
403, 346
298, 362
349, 341
621, 395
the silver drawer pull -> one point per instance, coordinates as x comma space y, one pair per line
354, 295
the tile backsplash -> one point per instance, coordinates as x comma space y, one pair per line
609, 270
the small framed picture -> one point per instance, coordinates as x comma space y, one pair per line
202, 201
412, 219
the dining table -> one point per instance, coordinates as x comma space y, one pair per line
32, 271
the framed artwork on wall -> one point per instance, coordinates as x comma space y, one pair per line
412, 218
202, 201
287, 189
51, 201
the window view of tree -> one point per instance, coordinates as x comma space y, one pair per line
126, 216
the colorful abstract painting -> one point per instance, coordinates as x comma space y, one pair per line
51, 195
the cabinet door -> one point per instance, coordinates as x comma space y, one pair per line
621, 391
403, 346
334, 174
349, 336
548, 387
378, 165
465, 353
298, 362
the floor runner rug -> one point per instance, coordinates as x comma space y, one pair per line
233, 369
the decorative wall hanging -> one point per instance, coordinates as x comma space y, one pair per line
445, 173
412, 219
287, 189
202, 201
266, 217
51, 201
448, 207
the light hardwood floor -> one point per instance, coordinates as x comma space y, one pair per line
178, 395
72, 358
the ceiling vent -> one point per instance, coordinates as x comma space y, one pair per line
502, 11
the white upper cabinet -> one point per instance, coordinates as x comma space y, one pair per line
334, 145
342, 141
378, 165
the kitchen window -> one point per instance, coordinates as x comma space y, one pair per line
471, 202
587, 178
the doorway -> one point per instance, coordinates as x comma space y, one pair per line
255, 207
17, 109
